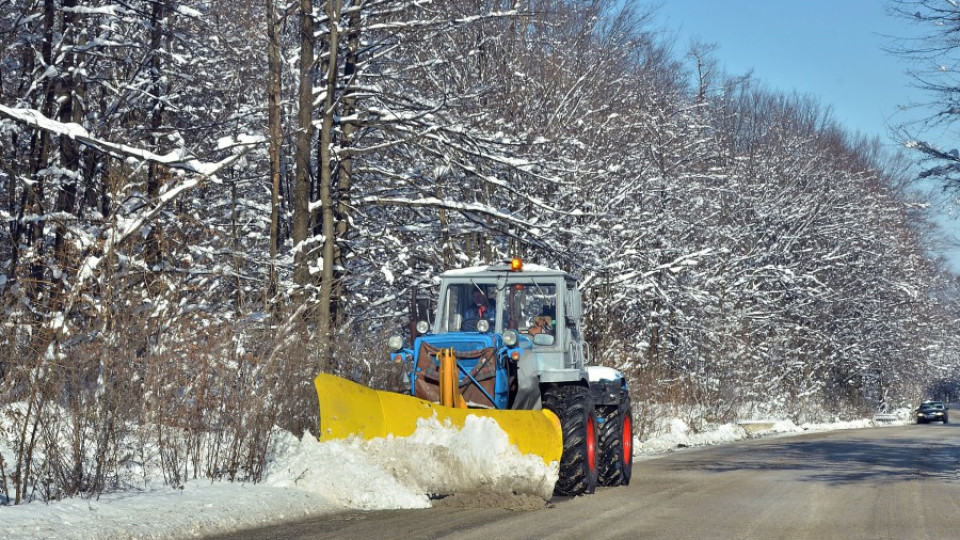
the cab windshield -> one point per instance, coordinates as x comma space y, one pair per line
531, 308
467, 304
528, 308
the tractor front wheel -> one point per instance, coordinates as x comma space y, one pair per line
574, 406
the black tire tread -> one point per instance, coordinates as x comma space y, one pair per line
573, 405
610, 436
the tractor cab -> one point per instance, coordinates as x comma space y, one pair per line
511, 327
526, 306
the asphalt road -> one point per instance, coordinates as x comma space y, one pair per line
884, 483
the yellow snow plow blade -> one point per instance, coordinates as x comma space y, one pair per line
347, 408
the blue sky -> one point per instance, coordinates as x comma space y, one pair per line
831, 50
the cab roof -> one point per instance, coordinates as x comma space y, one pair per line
529, 269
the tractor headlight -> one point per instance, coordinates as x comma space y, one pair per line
395, 343
510, 338
423, 327
483, 325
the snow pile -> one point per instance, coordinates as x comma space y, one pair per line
304, 477
200, 508
786, 426
477, 458
851, 424
342, 473
678, 434
400, 473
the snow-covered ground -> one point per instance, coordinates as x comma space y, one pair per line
308, 478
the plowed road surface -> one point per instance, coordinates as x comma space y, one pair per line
894, 482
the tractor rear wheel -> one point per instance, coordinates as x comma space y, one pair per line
573, 405
616, 444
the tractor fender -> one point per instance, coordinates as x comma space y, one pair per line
549, 376
607, 385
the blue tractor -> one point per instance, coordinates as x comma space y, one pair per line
516, 335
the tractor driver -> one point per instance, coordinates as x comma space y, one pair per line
482, 308
544, 323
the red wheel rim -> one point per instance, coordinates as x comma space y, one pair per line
591, 444
627, 440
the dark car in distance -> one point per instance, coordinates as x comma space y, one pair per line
932, 411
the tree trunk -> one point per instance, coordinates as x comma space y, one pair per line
237, 257
345, 164
274, 131
33, 194
301, 186
153, 252
327, 165
444, 225
69, 147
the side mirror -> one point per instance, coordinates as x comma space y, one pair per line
573, 304
425, 310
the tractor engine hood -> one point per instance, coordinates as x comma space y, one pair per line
461, 342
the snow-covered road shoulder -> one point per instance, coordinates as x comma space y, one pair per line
303, 478
308, 478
